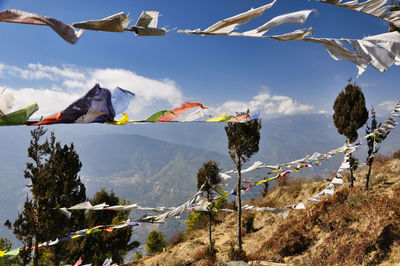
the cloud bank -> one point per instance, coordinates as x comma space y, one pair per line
267, 105
57, 87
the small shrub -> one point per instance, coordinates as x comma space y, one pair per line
176, 239
155, 242
281, 181
381, 159
297, 244
196, 220
396, 155
236, 254
138, 255
268, 202
248, 224
294, 187
200, 254
208, 253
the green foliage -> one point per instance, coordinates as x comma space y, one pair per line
207, 178
243, 140
53, 173
138, 256
372, 141
96, 247
155, 242
350, 111
219, 203
5, 244
196, 220
350, 114
208, 175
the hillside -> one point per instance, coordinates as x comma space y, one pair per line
353, 227
162, 159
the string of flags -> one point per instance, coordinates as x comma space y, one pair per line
145, 26
103, 206
295, 166
376, 8
316, 158
226, 26
197, 202
348, 148
380, 51
74, 235
100, 105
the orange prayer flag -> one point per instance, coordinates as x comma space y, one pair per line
180, 110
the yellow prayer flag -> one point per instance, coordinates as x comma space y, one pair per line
120, 122
220, 118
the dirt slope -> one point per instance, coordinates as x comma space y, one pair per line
353, 227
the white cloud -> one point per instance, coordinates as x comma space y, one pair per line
267, 105
49, 101
386, 106
68, 83
57, 87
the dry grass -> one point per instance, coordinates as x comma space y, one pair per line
353, 227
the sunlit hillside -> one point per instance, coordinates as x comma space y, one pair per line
355, 226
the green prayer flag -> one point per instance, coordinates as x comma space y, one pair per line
18, 117
154, 117
13, 252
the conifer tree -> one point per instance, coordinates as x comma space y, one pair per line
155, 242
54, 182
6, 245
350, 114
372, 141
95, 248
207, 178
243, 142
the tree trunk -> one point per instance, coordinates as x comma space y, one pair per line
351, 178
351, 172
239, 203
36, 252
36, 244
56, 260
368, 174
210, 220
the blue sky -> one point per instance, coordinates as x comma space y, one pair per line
227, 73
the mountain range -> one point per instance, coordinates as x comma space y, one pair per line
156, 164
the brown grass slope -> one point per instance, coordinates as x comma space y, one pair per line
354, 227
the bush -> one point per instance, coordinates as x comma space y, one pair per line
248, 224
381, 159
138, 255
196, 220
176, 239
155, 242
396, 155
